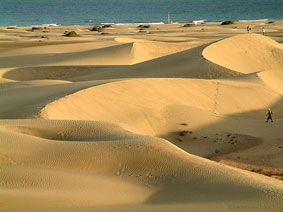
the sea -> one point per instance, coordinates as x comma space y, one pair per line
90, 12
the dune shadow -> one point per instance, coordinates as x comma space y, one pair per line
58, 72
200, 191
189, 190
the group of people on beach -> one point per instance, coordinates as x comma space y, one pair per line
249, 29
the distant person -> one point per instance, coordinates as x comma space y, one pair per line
249, 29
269, 115
263, 30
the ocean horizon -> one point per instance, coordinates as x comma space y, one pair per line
90, 12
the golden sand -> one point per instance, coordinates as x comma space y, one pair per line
168, 119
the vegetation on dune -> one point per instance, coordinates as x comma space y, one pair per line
106, 25
11, 27
71, 34
227, 22
96, 28
189, 25
142, 27
36, 28
99, 28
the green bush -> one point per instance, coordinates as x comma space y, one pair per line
97, 28
189, 25
11, 27
36, 28
106, 25
227, 22
141, 27
71, 34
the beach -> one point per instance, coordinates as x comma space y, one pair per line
141, 117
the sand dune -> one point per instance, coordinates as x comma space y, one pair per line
32, 97
147, 102
119, 54
124, 52
58, 47
186, 64
61, 164
272, 79
144, 50
171, 119
246, 53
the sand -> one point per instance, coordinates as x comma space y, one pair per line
170, 118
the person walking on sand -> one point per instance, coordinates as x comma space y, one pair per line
249, 29
263, 31
269, 115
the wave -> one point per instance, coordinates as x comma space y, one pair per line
253, 20
46, 25
49, 25
152, 23
199, 21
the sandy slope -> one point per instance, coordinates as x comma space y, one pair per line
148, 105
131, 121
60, 165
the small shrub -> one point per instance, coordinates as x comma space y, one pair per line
143, 27
36, 28
97, 28
11, 27
189, 25
106, 25
227, 22
269, 174
71, 34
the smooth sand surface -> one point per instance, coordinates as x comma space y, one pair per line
169, 118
